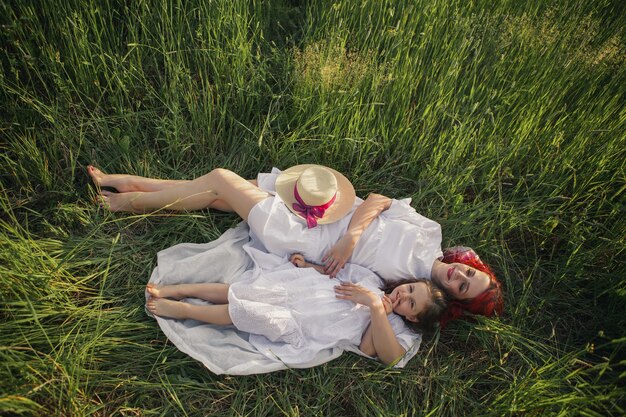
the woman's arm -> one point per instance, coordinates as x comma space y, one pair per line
339, 254
379, 339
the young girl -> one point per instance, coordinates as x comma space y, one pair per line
294, 313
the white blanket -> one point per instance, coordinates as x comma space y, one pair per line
224, 350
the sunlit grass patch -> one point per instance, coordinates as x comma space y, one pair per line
333, 67
576, 40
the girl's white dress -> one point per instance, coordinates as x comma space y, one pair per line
287, 317
293, 314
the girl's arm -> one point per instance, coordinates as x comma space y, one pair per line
298, 260
379, 339
339, 254
384, 339
367, 342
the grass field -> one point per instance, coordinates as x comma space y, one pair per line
505, 121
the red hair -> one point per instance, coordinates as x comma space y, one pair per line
487, 303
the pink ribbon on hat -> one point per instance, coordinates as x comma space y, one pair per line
310, 213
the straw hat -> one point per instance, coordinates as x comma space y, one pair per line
318, 194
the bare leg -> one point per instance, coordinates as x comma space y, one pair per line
128, 183
216, 314
214, 292
219, 184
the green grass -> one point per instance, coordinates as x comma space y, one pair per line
504, 121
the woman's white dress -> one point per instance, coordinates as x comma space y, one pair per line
266, 290
398, 244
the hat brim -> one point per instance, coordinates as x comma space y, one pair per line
343, 202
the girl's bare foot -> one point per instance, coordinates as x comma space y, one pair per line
163, 307
164, 291
120, 201
121, 182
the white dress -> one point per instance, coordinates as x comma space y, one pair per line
236, 259
292, 313
398, 244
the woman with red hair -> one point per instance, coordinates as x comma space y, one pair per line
384, 235
488, 302
470, 284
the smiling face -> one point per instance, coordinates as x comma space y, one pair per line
460, 281
409, 300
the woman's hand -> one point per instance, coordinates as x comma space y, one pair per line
298, 260
338, 255
361, 295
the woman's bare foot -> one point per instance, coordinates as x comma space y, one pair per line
164, 291
123, 183
163, 307
120, 201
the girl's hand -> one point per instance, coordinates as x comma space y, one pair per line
359, 295
338, 255
298, 260
387, 304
